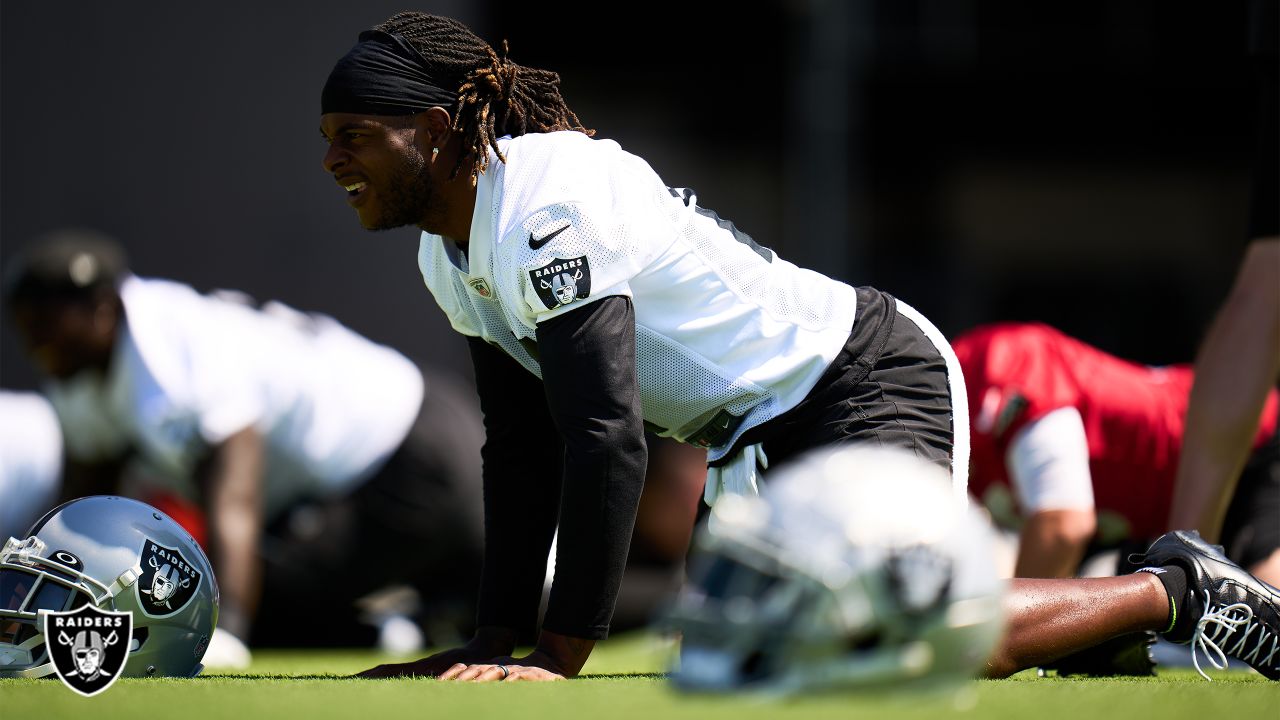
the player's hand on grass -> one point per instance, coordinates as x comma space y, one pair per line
535, 666
557, 657
226, 652
488, 642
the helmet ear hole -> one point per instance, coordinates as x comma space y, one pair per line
140, 635
752, 666
866, 643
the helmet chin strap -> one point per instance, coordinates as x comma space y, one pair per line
21, 655
126, 579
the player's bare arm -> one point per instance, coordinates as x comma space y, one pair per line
231, 481
1052, 543
1238, 363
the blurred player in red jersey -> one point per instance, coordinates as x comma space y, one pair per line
1077, 434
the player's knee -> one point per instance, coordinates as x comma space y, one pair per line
1268, 569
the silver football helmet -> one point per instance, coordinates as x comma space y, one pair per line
116, 554
857, 567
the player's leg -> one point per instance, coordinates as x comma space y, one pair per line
673, 485
1191, 593
427, 501
1250, 531
1267, 569
1049, 619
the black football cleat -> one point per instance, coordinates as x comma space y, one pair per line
1227, 611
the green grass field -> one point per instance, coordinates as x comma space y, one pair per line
622, 680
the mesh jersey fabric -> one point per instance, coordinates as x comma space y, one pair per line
721, 323
30, 460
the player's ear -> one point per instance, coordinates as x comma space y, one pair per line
435, 123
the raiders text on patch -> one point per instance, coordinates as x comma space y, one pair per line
561, 281
83, 622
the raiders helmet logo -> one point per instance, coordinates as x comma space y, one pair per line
168, 580
88, 647
919, 577
561, 281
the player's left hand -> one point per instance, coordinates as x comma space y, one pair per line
226, 652
535, 667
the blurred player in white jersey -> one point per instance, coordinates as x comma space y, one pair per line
30, 461
599, 301
314, 453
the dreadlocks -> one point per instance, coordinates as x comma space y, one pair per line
496, 97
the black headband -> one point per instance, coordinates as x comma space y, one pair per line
383, 75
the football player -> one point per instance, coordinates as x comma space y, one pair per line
598, 301
313, 452
1077, 433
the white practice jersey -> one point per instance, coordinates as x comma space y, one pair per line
30, 461
191, 370
721, 323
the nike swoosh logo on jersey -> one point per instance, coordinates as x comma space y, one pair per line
535, 244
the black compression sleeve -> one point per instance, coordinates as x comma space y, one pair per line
588, 359
522, 467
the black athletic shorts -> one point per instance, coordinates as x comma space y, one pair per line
417, 522
888, 386
1251, 530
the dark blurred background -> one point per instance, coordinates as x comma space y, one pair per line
1085, 163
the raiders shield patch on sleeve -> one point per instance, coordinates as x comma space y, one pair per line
562, 281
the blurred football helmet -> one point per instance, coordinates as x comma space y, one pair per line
856, 567
116, 554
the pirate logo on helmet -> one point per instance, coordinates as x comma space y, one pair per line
562, 281
88, 646
168, 580
919, 577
